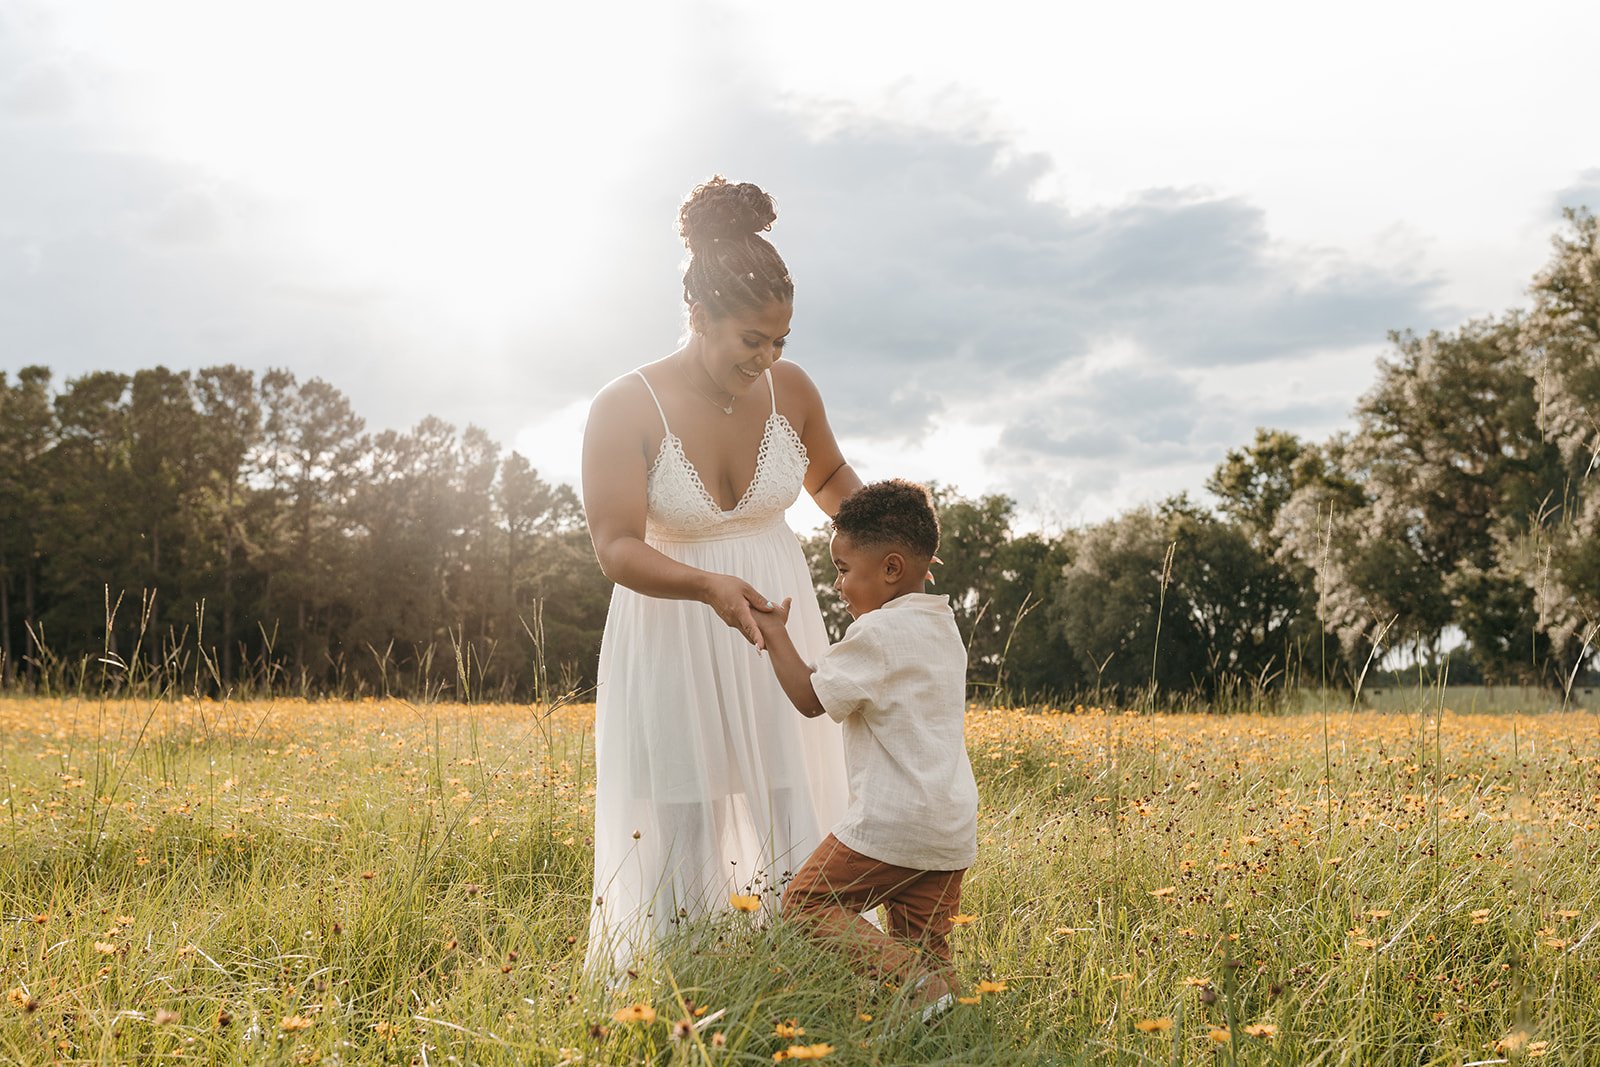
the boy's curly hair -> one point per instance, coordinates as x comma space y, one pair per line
890, 512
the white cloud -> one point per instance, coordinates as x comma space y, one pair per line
551, 442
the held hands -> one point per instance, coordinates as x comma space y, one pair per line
773, 623
738, 604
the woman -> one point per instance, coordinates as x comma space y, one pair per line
708, 783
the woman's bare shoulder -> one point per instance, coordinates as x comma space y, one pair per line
624, 400
794, 384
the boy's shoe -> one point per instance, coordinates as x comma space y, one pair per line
933, 1012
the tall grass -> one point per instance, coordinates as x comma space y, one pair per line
386, 881
136, 659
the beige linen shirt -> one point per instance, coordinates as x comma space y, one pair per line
898, 683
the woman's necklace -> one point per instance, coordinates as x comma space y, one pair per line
727, 409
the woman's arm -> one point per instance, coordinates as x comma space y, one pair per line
615, 470
829, 478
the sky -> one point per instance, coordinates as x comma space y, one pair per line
1070, 253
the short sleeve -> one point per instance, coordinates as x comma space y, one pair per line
849, 675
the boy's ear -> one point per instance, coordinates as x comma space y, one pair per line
894, 566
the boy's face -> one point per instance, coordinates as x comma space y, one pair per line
868, 575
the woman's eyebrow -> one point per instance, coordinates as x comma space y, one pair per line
751, 330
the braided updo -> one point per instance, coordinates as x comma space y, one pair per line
732, 267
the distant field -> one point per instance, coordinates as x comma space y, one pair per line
321, 883
1460, 698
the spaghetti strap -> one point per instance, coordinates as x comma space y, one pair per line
664, 427
772, 389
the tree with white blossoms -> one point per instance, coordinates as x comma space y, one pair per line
1456, 449
1562, 336
1469, 494
1453, 473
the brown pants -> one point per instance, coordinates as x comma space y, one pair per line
836, 884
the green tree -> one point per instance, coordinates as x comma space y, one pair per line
973, 535
87, 531
1254, 487
1253, 483
1459, 468
1244, 609
1035, 661
310, 463
1324, 530
160, 485
229, 410
1115, 609
27, 433
473, 584
1180, 596
551, 573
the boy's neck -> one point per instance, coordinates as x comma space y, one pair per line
918, 586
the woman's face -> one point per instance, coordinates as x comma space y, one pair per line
735, 350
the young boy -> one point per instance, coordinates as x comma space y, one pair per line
897, 681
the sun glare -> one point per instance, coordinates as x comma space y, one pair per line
457, 161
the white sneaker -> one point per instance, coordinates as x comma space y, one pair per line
938, 1007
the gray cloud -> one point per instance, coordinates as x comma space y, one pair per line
1081, 444
1103, 415
923, 253
1086, 442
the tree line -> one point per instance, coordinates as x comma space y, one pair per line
1459, 518
242, 533
248, 533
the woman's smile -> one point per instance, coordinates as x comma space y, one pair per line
735, 350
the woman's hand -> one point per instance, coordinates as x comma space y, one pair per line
736, 601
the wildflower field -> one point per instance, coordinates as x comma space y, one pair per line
382, 882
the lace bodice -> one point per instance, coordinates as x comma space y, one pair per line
681, 508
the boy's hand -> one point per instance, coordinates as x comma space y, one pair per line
769, 622
736, 603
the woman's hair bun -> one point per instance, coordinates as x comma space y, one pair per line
722, 209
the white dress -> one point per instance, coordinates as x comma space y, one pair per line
708, 781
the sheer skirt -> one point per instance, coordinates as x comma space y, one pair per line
708, 781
